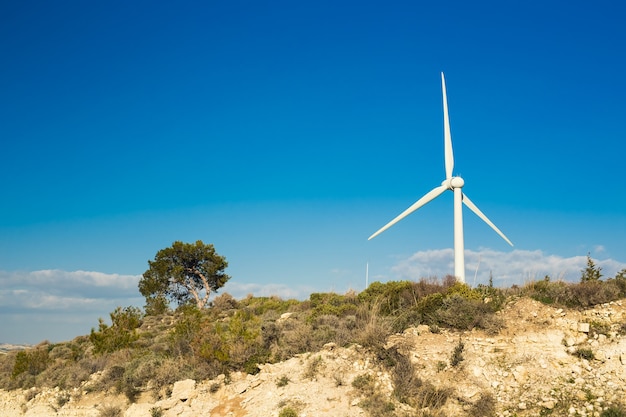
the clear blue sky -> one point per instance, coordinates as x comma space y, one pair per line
286, 133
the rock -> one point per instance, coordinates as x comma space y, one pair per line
284, 317
423, 329
583, 327
520, 374
40, 410
184, 390
139, 410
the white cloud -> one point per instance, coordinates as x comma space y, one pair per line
56, 290
59, 305
240, 290
507, 268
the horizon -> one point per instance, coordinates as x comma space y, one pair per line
286, 134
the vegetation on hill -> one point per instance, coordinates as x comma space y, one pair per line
149, 351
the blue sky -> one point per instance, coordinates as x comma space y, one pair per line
286, 133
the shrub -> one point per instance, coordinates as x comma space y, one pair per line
377, 405
590, 293
464, 291
432, 397
584, 353
457, 354
428, 306
121, 334
224, 302
187, 327
546, 291
598, 327
374, 328
463, 313
62, 399
313, 367
620, 282
391, 296
363, 383
282, 381
110, 411
332, 304
288, 412
406, 383
33, 362
614, 411
374, 402
485, 406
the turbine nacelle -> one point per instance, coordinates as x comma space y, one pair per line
452, 183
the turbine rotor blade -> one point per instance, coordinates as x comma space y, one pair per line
480, 214
449, 156
429, 196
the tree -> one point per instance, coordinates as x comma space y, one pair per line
591, 272
183, 273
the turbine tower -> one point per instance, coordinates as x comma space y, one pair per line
455, 184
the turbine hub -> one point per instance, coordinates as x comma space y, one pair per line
456, 182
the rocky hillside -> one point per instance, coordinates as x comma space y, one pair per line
546, 361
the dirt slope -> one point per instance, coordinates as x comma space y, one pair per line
535, 366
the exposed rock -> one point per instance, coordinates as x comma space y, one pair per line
583, 327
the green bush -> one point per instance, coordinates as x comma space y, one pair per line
406, 384
485, 406
463, 313
587, 293
323, 304
584, 353
288, 412
391, 296
121, 334
110, 411
282, 381
457, 354
616, 410
547, 292
313, 367
590, 293
32, 362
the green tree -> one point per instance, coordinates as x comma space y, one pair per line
183, 273
591, 272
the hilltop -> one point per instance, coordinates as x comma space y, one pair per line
523, 357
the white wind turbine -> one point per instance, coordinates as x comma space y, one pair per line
454, 184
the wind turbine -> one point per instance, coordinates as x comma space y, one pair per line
453, 184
